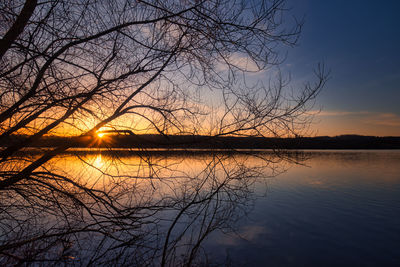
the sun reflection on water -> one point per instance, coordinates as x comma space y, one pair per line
98, 161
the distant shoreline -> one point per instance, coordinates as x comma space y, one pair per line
213, 143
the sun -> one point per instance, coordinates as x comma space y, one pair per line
100, 135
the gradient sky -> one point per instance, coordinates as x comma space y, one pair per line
359, 41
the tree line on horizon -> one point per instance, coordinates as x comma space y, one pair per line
210, 142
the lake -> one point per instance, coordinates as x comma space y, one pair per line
327, 208
341, 208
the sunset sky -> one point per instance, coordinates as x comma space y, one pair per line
359, 42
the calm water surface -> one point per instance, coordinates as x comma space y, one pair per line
340, 208
336, 208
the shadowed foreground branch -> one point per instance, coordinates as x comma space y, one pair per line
72, 68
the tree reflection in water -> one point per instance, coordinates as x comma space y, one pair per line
128, 207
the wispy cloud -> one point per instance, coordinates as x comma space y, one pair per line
342, 113
242, 62
384, 119
367, 117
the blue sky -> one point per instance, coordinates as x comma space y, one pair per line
359, 41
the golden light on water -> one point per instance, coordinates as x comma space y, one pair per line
98, 162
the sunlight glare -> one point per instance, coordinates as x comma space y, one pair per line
98, 162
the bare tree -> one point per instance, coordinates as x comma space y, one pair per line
167, 67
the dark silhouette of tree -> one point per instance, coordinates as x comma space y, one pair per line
167, 67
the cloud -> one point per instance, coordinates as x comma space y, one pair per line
241, 61
384, 119
366, 117
342, 113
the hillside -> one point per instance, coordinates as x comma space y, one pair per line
207, 142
